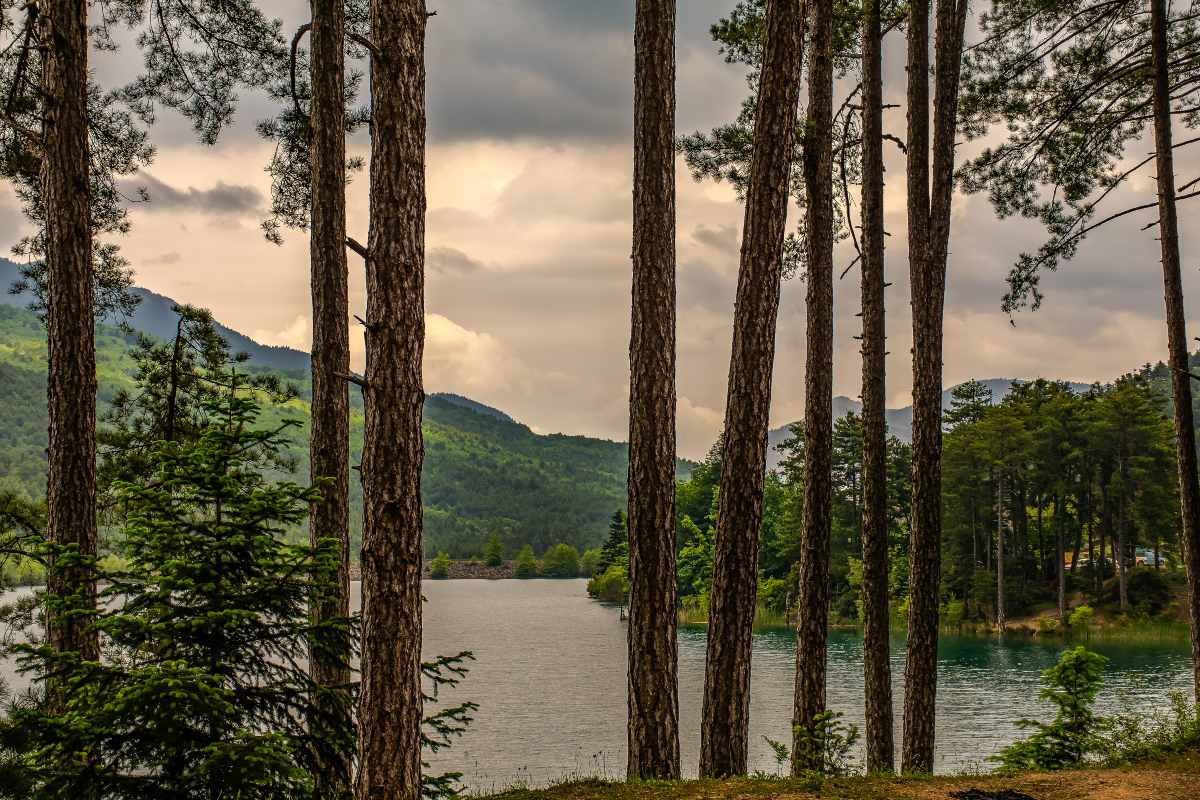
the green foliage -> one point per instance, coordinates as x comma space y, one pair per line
1130, 737
1071, 686
1081, 618
207, 629
493, 552
616, 547
610, 586
560, 561
589, 562
824, 748
483, 472
527, 565
439, 568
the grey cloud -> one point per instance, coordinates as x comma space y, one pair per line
701, 286
722, 238
451, 261
222, 199
172, 257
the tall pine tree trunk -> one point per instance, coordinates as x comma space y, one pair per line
653, 656
70, 305
389, 716
329, 437
1185, 431
1001, 614
929, 234
813, 593
876, 658
726, 712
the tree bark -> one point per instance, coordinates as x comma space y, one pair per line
929, 234
653, 657
1001, 616
725, 722
1185, 431
70, 306
813, 596
329, 437
876, 658
389, 716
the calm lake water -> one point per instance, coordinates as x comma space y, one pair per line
550, 683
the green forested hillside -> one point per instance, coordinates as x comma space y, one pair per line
483, 473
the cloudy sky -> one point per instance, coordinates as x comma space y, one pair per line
529, 163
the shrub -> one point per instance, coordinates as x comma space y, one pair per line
1081, 618
1048, 625
773, 593
823, 749
1133, 737
439, 568
493, 552
561, 561
589, 560
527, 565
612, 586
1071, 685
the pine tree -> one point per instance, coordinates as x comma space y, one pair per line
928, 243
813, 592
203, 692
968, 401
653, 702
724, 725
1073, 109
616, 547
877, 687
390, 704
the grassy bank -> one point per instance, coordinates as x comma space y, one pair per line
1173, 778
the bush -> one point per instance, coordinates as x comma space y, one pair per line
610, 587
821, 750
1133, 737
1048, 625
561, 561
773, 593
527, 565
589, 560
1071, 685
439, 568
493, 552
1081, 618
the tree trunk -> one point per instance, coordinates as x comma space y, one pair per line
726, 711
813, 598
928, 243
70, 305
329, 437
1119, 547
653, 656
1001, 616
389, 711
876, 659
1185, 432
1061, 555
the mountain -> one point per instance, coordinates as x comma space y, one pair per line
899, 420
155, 317
484, 471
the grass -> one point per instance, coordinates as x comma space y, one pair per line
697, 614
1169, 778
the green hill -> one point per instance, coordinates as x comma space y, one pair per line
484, 472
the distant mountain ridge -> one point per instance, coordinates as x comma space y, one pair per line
484, 472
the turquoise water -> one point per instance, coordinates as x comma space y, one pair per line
550, 682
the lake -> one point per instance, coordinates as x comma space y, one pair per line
550, 683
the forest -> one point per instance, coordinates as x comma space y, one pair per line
190, 641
